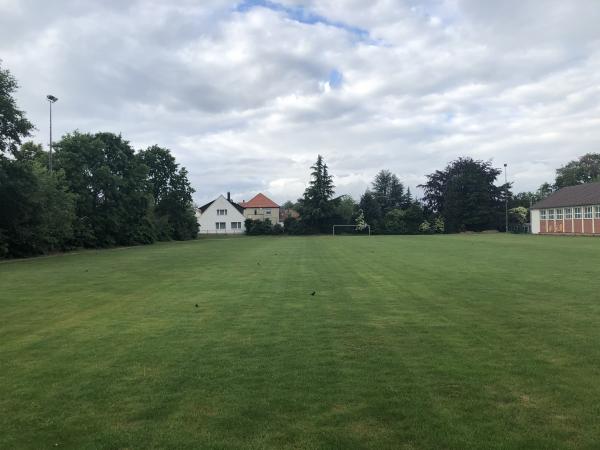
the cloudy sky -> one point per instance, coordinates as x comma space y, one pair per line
247, 93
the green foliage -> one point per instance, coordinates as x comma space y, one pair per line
465, 195
403, 221
4, 243
288, 205
344, 210
388, 209
14, 126
294, 227
315, 207
389, 192
544, 191
113, 200
259, 227
278, 229
371, 210
439, 225
425, 227
31, 151
524, 199
174, 216
36, 210
586, 169
360, 222
518, 215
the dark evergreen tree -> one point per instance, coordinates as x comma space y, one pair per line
388, 191
316, 208
371, 210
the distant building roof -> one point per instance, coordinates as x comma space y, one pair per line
234, 204
580, 195
205, 207
259, 201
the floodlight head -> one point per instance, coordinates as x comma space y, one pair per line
51, 98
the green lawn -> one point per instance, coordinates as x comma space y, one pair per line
424, 342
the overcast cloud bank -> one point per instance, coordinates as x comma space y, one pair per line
246, 94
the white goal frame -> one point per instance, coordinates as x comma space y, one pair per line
353, 226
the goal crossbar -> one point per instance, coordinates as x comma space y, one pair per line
368, 227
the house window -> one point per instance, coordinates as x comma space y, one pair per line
568, 213
543, 215
221, 212
236, 225
551, 214
220, 225
256, 212
578, 213
268, 211
589, 212
598, 212
559, 214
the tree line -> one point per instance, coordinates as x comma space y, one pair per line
101, 191
463, 196
460, 197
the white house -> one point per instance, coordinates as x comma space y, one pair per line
221, 216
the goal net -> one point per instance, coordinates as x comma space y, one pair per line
352, 229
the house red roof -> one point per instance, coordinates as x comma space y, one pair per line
259, 201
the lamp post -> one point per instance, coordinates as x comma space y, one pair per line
505, 200
51, 99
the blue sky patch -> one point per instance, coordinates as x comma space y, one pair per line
303, 15
335, 79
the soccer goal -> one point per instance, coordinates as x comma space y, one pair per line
366, 227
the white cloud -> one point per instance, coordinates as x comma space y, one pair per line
247, 97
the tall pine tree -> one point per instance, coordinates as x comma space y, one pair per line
316, 207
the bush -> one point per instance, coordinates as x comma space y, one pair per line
36, 211
3, 245
258, 227
277, 229
425, 227
403, 221
438, 225
294, 226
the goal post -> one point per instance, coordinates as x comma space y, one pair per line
368, 227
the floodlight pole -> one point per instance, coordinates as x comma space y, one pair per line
505, 201
530, 206
51, 99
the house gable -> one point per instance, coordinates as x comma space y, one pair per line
221, 216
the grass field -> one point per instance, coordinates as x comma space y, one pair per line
481, 341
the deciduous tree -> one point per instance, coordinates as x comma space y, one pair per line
113, 202
466, 196
586, 169
172, 194
14, 126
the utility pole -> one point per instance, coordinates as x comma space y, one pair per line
51, 99
506, 200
